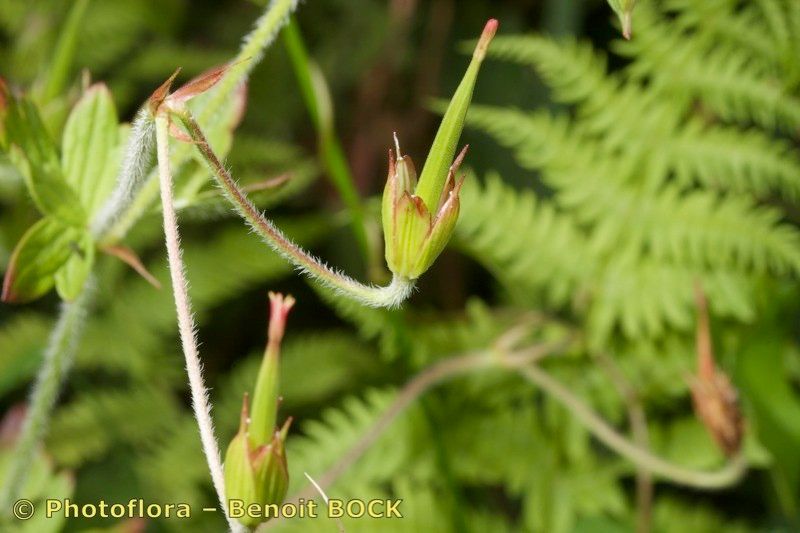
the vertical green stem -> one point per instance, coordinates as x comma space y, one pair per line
58, 358
186, 326
65, 51
330, 149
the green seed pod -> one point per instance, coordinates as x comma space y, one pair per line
255, 463
419, 217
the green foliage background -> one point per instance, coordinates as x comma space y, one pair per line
606, 177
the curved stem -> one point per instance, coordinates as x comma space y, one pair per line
194, 369
524, 361
213, 105
58, 358
391, 295
718, 479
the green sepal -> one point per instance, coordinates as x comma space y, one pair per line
256, 474
440, 233
413, 222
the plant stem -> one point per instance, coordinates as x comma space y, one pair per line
136, 164
58, 358
390, 296
723, 477
65, 51
422, 383
186, 326
524, 362
212, 105
69, 327
638, 425
330, 150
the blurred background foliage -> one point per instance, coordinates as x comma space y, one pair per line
606, 177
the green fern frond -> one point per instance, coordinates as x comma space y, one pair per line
718, 157
725, 81
731, 159
635, 276
726, 23
218, 268
326, 441
544, 258
96, 421
572, 69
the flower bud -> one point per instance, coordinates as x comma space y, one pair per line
715, 399
255, 463
256, 473
414, 235
419, 216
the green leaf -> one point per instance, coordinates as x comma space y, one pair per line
71, 278
42, 251
89, 147
35, 155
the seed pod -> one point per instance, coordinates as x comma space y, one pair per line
419, 216
255, 463
715, 399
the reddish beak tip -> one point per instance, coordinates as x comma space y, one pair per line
486, 37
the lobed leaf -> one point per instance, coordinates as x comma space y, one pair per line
35, 155
89, 147
42, 251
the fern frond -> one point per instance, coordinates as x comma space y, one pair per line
572, 69
725, 81
698, 228
727, 23
326, 441
89, 426
383, 325
636, 276
544, 257
731, 159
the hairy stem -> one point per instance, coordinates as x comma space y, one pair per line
213, 105
194, 368
391, 295
69, 327
136, 165
58, 358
